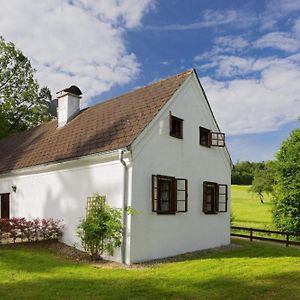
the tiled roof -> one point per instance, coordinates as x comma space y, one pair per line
109, 125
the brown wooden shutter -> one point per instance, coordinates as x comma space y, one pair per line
154, 193
182, 194
173, 198
204, 197
217, 139
222, 197
216, 198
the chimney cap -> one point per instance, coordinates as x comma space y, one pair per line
73, 89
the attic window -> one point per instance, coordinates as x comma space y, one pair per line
169, 194
209, 138
215, 197
204, 137
176, 125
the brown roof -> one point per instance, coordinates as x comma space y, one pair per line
109, 125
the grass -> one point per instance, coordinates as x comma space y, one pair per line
249, 271
247, 209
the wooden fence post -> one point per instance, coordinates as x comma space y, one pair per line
287, 240
251, 234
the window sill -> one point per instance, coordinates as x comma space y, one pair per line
176, 136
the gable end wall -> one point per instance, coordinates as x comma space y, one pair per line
156, 152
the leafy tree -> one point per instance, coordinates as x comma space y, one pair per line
263, 180
22, 103
286, 194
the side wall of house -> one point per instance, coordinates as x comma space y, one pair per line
62, 194
156, 152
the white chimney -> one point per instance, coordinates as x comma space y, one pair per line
68, 104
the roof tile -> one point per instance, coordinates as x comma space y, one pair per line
109, 125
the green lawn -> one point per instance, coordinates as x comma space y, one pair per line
248, 271
247, 209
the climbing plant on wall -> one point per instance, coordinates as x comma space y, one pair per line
101, 230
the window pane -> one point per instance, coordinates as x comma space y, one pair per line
180, 184
222, 206
209, 198
222, 198
180, 195
164, 206
208, 207
222, 189
180, 205
164, 194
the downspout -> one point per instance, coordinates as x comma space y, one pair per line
124, 205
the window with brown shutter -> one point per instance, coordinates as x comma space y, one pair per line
215, 197
204, 136
209, 138
169, 194
176, 127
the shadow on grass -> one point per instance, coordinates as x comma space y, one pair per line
41, 260
155, 286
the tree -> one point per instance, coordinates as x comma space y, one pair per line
22, 103
286, 213
263, 180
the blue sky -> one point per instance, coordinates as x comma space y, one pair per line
246, 53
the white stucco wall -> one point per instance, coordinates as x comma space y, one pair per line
156, 152
62, 194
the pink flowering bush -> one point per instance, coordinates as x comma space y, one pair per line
30, 230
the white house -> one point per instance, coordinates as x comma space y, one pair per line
157, 149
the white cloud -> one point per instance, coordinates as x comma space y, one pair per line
231, 66
129, 12
250, 94
210, 18
257, 105
224, 44
75, 42
296, 27
278, 40
232, 42
288, 5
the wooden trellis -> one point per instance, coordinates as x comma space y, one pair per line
94, 201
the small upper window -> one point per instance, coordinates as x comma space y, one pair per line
176, 125
205, 137
209, 138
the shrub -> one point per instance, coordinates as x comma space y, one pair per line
29, 230
101, 230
